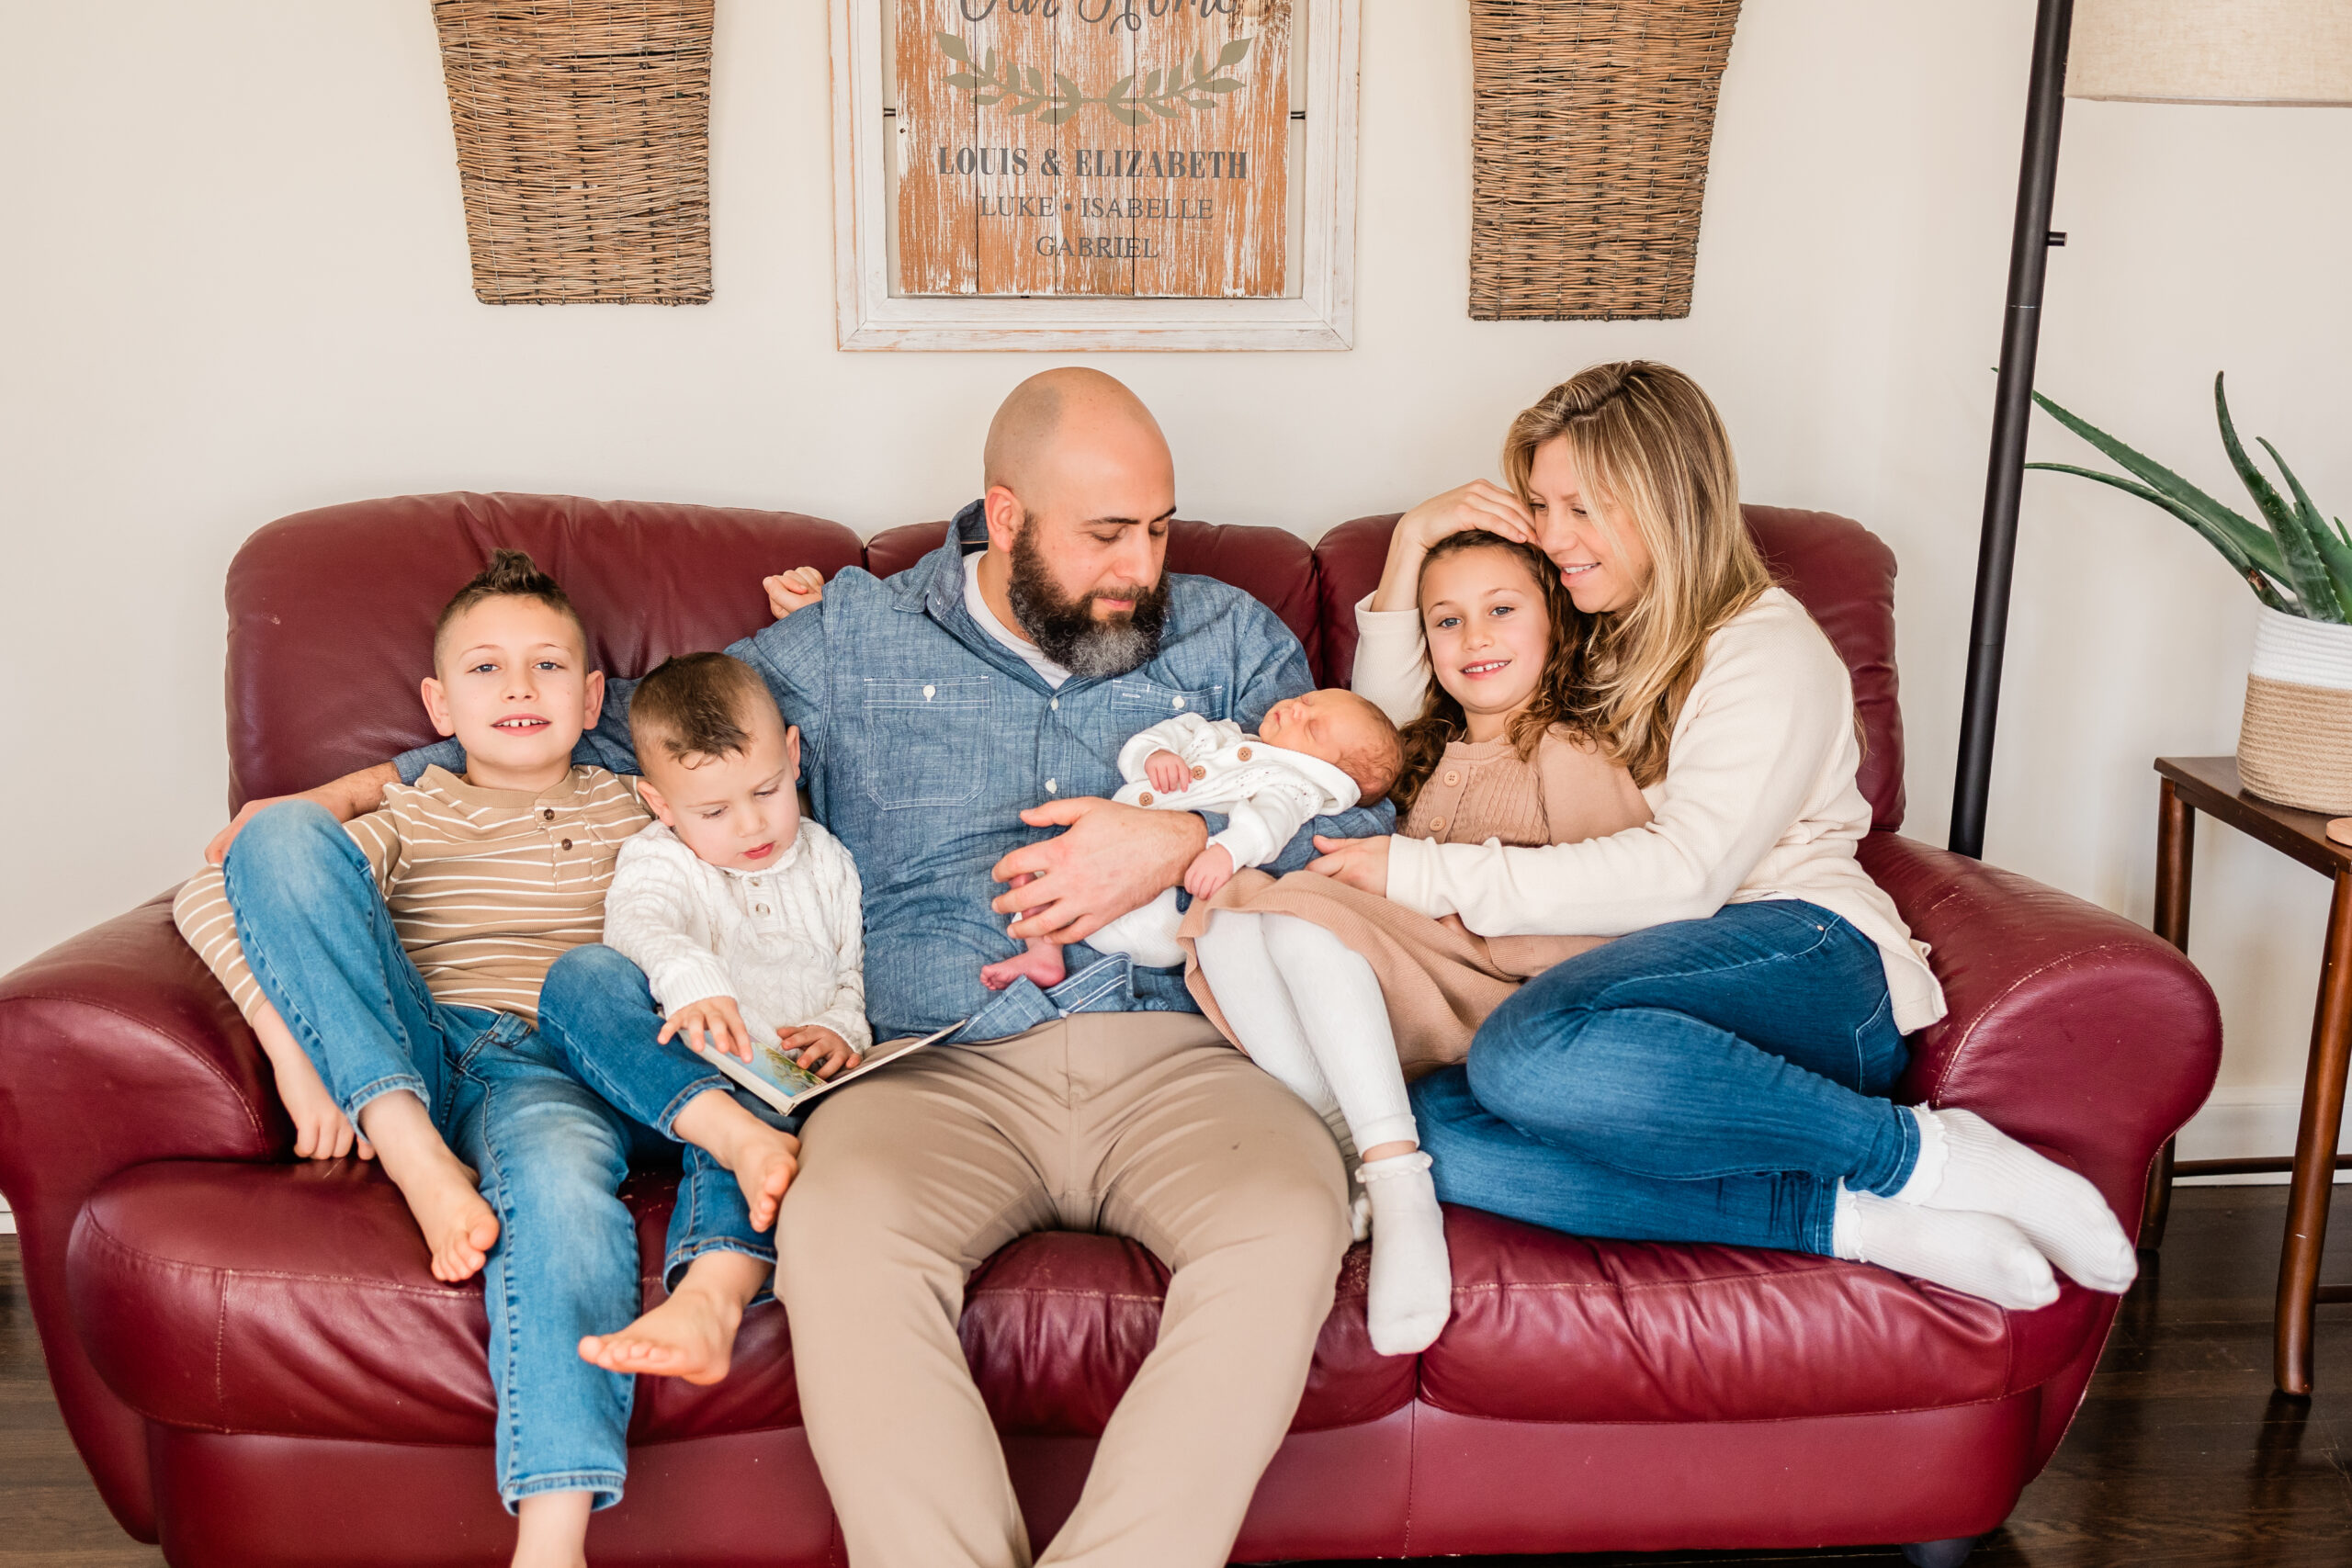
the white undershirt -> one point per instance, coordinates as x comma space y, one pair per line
1031, 654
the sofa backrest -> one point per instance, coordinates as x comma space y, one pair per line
331, 611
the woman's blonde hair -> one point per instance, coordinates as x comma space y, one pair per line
1648, 443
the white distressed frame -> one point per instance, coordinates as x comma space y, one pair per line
1321, 317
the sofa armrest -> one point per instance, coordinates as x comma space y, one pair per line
2070, 1028
117, 1048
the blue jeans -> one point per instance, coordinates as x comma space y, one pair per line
1705, 1081
598, 1013
551, 1154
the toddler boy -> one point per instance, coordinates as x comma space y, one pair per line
746, 923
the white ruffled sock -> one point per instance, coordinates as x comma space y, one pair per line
1411, 1293
1980, 1254
1967, 1163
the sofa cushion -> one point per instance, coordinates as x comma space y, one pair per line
292, 1299
1552, 1327
1273, 565
331, 611
295, 1300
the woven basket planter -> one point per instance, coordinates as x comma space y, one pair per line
1593, 119
583, 147
2295, 746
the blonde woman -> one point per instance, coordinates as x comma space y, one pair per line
1718, 1073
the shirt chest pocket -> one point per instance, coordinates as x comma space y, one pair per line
926, 741
1138, 702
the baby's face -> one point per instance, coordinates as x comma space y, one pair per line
1329, 724
739, 811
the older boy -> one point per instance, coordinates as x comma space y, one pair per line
404, 956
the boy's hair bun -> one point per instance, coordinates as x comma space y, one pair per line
511, 574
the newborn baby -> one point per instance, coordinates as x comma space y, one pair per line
1312, 755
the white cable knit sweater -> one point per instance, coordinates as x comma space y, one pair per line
788, 941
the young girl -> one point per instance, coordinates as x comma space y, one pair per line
1719, 1072
1338, 992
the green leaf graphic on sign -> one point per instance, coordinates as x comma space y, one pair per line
1165, 91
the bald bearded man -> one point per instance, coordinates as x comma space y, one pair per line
961, 724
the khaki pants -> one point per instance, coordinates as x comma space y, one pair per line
1145, 1125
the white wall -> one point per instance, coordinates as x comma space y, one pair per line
235, 282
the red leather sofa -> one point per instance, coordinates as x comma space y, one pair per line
259, 1371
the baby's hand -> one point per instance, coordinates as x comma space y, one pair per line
794, 589
1168, 772
1210, 870
715, 1017
822, 1052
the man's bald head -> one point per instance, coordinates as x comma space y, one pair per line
1052, 417
1081, 489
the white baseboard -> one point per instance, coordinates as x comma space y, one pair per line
2243, 1123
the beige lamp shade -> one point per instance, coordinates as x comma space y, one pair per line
2212, 51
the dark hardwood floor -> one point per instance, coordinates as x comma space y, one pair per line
2182, 1457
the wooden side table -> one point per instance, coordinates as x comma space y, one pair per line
2210, 785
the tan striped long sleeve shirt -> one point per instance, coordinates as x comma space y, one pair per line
487, 888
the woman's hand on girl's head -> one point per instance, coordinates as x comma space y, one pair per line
1360, 863
1481, 503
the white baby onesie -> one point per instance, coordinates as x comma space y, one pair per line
1267, 794
788, 941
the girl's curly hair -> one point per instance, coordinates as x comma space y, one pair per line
1443, 722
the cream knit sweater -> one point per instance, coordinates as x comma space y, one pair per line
788, 941
1759, 801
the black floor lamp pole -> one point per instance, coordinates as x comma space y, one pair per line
2012, 407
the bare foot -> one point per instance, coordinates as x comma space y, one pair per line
765, 1164
691, 1335
460, 1228
458, 1224
764, 1160
1040, 961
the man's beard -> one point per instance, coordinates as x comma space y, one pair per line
1065, 630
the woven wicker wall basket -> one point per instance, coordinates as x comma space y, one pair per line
1592, 124
583, 147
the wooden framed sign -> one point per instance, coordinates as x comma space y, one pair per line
1094, 173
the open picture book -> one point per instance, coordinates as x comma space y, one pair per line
775, 1077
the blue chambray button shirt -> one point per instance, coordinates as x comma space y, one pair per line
924, 739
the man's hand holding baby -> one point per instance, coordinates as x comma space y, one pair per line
1109, 858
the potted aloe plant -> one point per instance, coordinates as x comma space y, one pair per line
2295, 744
